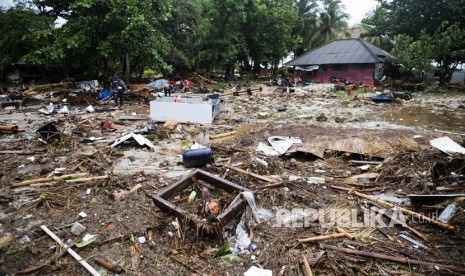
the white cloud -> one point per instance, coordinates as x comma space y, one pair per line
6, 3
357, 9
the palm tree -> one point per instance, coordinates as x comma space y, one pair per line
308, 16
331, 21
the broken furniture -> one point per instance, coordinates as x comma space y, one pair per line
185, 110
48, 131
229, 213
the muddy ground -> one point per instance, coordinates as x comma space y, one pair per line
135, 235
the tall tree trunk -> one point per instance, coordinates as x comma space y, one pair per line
275, 66
127, 73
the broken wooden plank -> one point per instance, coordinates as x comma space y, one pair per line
422, 198
361, 179
111, 267
401, 260
363, 162
403, 210
405, 225
223, 135
47, 179
323, 237
77, 180
306, 267
71, 251
46, 262
23, 152
261, 177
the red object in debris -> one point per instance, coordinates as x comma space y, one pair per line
349, 91
110, 126
180, 84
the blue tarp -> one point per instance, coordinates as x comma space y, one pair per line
105, 95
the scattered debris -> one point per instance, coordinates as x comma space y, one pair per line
140, 139
447, 145
195, 158
70, 251
279, 145
245, 206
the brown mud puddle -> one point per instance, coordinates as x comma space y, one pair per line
428, 118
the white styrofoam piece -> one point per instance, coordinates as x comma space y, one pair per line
447, 145
188, 111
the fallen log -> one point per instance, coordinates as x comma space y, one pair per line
48, 179
401, 260
403, 210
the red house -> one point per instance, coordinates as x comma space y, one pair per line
354, 60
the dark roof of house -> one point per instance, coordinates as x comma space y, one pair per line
342, 51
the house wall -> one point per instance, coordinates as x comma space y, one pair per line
351, 72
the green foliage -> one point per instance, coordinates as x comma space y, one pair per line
415, 57
16, 27
423, 31
151, 73
444, 47
223, 250
331, 20
101, 38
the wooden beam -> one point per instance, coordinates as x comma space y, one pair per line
261, 177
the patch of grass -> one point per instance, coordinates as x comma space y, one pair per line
219, 87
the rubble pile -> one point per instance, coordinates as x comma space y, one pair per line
298, 182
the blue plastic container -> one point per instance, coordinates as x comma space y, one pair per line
382, 99
197, 157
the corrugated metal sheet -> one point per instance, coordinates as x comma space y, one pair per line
342, 51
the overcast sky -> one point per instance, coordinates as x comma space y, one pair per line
356, 9
6, 3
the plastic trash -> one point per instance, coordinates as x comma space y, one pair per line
197, 157
255, 271
90, 109
448, 213
77, 228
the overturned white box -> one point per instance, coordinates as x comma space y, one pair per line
185, 110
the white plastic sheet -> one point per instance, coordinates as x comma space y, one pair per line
279, 145
255, 271
447, 145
